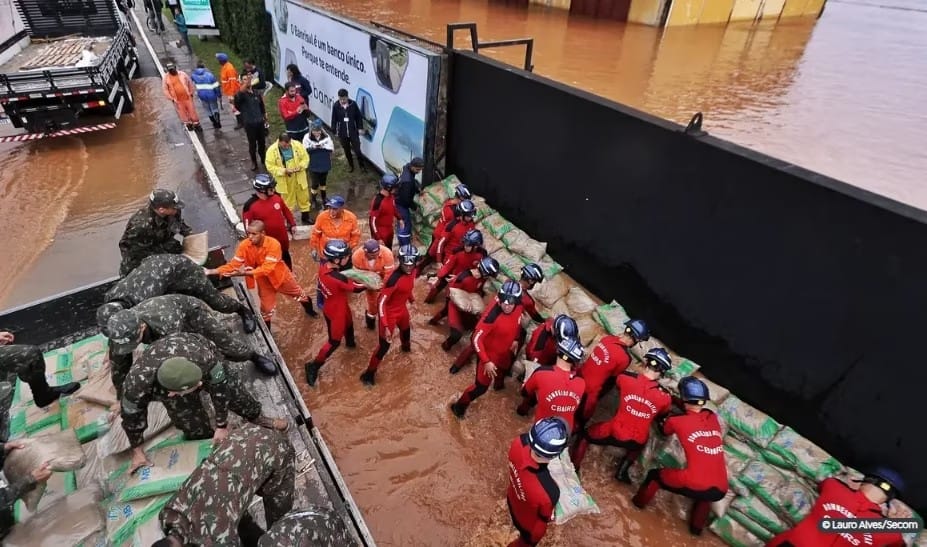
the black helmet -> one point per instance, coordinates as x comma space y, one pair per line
263, 182
888, 480
465, 208
510, 292
488, 267
408, 255
462, 192
335, 249
532, 272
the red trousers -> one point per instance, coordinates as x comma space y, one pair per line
340, 325
529, 533
503, 362
403, 325
591, 400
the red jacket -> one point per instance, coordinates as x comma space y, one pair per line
839, 501
542, 346
336, 288
531, 307
532, 494
461, 261
447, 215
468, 282
608, 359
289, 109
640, 402
558, 393
453, 236
275, 215
394, 296
495, 332
383, 215
700, 435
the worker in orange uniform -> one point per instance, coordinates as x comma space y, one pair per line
373, 257
335, 222
179, 88
556, 390
260, 258
228, 77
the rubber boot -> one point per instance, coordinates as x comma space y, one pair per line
44, 394
248, 321
312, 372
349, 341
370, 320
405, 337
306, 217
307, 307
238, 124
499, 383
218, 121
699, 517
215, 121
369, 377
459, 409
264, 364
249, 532
647, 491
622, 474
524, 408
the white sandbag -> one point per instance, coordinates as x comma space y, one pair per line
530, 367
302, 232
733, 533
550, 291
492, 244
760, 513
371, 280
69, 521
172, 462
61, 450
123, 519
749, 422
92, 471
574, 500
579, 302
196, 247
588, 328
99, 389
116, 441
720, 507
790, 450
520, 243
612, 317
45, 494
764, 481
467, 301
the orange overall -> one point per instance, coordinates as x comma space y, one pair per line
179, 89
383, 264
270, 273
228, 77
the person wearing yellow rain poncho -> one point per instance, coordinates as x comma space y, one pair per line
287, 161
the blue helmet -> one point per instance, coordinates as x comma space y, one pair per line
659, 359
316, 125
465, 208
335, 202
510, 292
335, 249
532, 272
408, 255
488, 267
389, 181
222, 57
473, 238
637, 329
564, 327
549, 436
262, 182
462, 192
888, 480
571, 349
693, 390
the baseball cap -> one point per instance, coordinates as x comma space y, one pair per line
371, 246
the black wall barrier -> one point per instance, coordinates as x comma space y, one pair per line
803, 295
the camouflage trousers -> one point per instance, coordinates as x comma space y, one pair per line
24, 361
313, 527
188, 413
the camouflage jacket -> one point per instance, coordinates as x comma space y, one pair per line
155, 276
171, 313
207, 507
141, 385
147, 234
313, 527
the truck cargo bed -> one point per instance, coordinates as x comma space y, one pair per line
55, 55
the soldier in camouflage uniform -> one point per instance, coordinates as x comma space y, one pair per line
165, 274
211, 508
153, 230
10, 492
313, 527
173, 370
169, 314
28, 363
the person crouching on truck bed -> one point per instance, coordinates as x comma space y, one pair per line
471, 281
641, 401
704, 478
260, 260
267, 206
287, 160
211, 506
207, 89
556, 390
383, 214
461, 259
337, 311
493, 342
393, 310
228, 77
179, 88
531, 275
373, 257
545, 340
448, 213
320, 147
28, 364
154, 229
408, 188
852, 499
532, 494
608, 359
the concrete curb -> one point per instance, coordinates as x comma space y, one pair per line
227, 207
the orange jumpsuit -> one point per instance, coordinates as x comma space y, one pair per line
383, 264
270, 273
179, 88
325, 228
228, 77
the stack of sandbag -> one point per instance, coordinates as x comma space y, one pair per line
611, 316
74, 519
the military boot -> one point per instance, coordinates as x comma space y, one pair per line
248, 321
44, 394
264, 364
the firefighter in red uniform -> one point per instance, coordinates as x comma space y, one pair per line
461, 259
393, 311
531, 275
455, 230
542, 348
448, 213
471, 281
641, 400
556, 390
609, 358
494, 342
383, 213
840, 500
335, 287
267, 206
704, 478
532, 494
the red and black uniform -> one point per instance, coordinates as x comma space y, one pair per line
383, 216
704, 479
393, 312
457, 319
542, 347
532, 494
335, 288
276, 217
491, 342
640, 402
531, 308
458, 262
448, 212
453, 237
839, 501
608, 359
556, 391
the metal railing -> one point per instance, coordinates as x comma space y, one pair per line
476, 45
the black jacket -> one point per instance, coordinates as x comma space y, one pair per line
352, 113
251, 106
408, 187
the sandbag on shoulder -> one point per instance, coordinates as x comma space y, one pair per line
574, 500
71, 520
467, 301
371, 280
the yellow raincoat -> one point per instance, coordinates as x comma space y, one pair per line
293, 188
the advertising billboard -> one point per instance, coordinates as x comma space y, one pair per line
198, 13
388, 80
